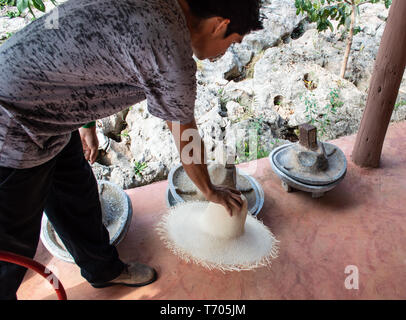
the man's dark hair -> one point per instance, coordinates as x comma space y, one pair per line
243, 14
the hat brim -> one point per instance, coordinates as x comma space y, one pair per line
181, 233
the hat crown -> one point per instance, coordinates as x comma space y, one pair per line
217, 222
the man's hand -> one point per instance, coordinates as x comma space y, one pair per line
197, 170
90, 143
229, 198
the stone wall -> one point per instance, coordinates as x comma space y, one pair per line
276, 79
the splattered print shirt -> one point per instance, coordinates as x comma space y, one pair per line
88, 59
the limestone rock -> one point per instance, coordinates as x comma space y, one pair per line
113, 125
253, 98
279, 21
305, 93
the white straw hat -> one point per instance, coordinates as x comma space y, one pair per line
203, 232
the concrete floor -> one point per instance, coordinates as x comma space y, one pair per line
361, 223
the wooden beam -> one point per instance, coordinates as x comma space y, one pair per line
384, 88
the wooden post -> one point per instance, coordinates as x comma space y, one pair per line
384, 88
308, 136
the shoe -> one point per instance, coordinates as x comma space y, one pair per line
134, 275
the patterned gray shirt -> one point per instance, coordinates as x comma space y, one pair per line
98, 58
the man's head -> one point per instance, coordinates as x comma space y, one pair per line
216, 24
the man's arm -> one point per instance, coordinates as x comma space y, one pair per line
193, 161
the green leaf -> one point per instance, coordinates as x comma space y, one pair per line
39, 5
330, 26
313, 16
297, 4
30, 4
22, 5
357, 30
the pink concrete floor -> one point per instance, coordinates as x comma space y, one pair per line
362, 223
